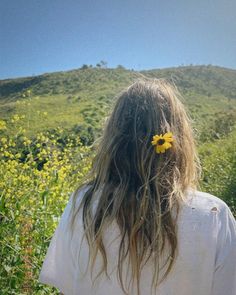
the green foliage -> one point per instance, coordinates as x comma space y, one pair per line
220, 126
219, 168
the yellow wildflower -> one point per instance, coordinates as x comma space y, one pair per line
2, 125
162, 142
7, 154
3, 140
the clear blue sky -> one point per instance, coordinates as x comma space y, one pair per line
38, 36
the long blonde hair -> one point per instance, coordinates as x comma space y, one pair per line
140, 188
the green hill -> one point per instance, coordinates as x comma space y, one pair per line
81, 98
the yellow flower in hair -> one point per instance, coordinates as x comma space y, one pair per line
162, 142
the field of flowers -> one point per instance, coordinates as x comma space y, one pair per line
36, 178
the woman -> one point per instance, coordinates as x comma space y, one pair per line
139, 225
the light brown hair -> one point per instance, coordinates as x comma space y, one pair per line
141, 189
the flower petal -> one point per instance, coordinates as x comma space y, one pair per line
168, 134
160, 149
155, 139
167, 145
168, 137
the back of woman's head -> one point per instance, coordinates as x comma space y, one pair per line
139, 188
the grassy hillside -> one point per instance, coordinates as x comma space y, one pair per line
81, 98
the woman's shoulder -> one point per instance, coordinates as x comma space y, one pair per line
203, 201
205, 208
208, 213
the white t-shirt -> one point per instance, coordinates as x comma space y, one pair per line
205, 265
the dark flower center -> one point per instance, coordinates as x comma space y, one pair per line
160, 141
